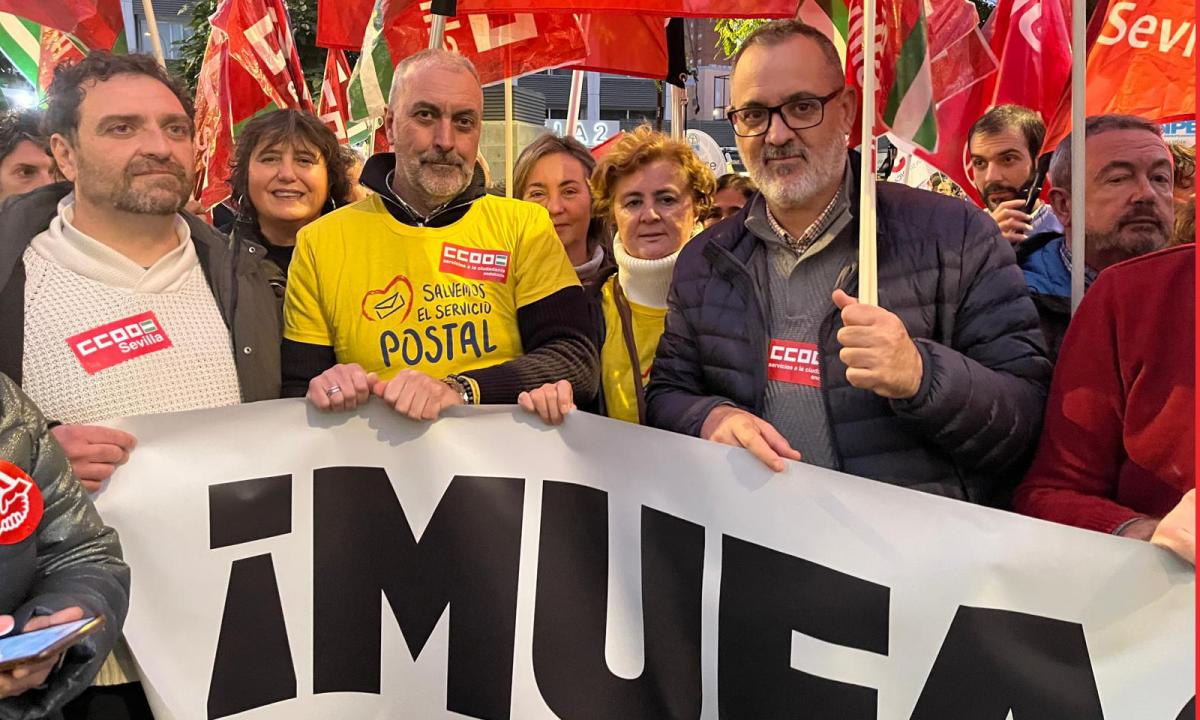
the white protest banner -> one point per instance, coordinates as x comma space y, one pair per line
288, 564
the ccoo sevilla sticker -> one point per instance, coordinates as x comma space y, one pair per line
20, 504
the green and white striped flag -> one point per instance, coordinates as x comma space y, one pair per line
370, 81
906, 106
911, 111
21, 42
831, 17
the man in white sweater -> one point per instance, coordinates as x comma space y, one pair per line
114, 302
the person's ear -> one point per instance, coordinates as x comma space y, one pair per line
388, 129
1060, 203
847, 104
65, 156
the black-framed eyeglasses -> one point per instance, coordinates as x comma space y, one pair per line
798, 114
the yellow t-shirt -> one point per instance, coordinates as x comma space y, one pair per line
620, 394
389, 296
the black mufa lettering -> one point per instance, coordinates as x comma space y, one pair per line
253, 665
467, 558
571, 611
765, 595
996, 661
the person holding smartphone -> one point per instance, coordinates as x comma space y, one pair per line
58, 564
1004, 144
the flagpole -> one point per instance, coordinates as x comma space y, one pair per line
508, 137
439, 11
148, 10
574, 102
1078, 148
868, 279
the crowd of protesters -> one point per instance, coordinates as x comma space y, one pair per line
640, 287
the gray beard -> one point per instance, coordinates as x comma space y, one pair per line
825, 166
438, 188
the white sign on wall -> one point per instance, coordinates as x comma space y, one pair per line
591, 133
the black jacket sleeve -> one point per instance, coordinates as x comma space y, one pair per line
557, 335
981, 400
677, 398
301, 363
78, 558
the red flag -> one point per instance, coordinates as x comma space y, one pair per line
260, 40
250, 66
341, 24
334, 106
1140, 64
662, 8
625, 44
1031, 41
55, 48
98, 24
500, 44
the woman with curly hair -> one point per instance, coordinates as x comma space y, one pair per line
288, 171
653, 190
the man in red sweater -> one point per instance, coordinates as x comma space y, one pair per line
1117, 453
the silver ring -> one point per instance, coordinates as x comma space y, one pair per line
332, 390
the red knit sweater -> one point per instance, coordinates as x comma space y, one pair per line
1119, 440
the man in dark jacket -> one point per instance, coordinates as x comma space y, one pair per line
115, 302
941, 388
58, 562
1129, 213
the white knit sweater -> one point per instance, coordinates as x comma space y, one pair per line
76, 373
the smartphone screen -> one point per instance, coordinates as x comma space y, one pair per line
16, 648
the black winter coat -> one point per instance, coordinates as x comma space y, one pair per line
971, 429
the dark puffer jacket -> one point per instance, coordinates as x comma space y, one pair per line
944, 269
71, 559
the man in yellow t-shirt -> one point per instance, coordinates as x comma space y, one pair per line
432, 293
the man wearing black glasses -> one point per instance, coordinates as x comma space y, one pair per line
941, 388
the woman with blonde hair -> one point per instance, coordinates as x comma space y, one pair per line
653, 190
553, 172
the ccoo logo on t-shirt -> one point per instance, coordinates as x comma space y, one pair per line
475, 264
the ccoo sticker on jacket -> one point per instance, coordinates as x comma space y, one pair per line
116, 342
794, 362
20, 504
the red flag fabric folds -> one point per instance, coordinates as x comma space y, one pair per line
250, 65
500, 44
341, 24
662, 8
98, 24
334, 106
625, 44
1141, 63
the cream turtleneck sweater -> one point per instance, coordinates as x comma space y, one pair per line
645, 282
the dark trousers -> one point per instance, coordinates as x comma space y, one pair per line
110, 702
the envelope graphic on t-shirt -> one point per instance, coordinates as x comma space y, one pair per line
381, 304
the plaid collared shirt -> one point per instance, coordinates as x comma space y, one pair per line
814, 231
